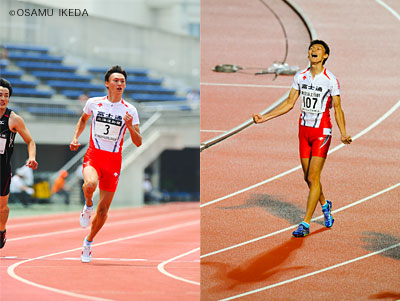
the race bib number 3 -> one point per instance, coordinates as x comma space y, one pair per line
311, 102
2, 145
107, 129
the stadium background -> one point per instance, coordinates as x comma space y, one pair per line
158, 39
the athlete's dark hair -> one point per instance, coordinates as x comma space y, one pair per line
6, 84
320, 42
114, 69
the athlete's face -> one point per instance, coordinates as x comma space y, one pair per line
116, 84
4, 97
316, 54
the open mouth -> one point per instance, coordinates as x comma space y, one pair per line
314, 55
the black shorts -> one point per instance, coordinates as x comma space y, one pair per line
5, 179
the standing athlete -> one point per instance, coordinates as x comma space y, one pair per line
10, 124
318, 89
111, 116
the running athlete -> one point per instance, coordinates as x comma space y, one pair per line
10, 124
111, 116
318, 89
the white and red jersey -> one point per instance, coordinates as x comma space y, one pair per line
316, 97
108, 126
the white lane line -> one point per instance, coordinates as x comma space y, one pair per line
391, 10
295, 226
312, 273
61, 218
246, 85
128, 221
107, 259
161, 267
12, 273
363, 132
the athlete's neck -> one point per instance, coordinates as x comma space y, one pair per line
114, 98
316, 69
2, 111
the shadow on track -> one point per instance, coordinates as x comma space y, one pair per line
259, 268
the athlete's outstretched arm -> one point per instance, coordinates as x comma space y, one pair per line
285, 107
80, 126
340, 120
17, 124
134, 130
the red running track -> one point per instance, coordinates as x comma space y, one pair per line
149, 253
246, 245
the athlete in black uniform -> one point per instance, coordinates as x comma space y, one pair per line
10, 124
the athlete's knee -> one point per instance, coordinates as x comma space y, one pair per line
4, 208
313, 179
90, 186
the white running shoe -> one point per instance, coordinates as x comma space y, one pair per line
86, 252
84, 219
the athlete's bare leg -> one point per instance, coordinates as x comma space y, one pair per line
105, 200
4, 211
91, 179
314, 176
305, 164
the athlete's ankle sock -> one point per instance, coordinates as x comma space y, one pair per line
89, 207
88, 243
305, 224
325, 206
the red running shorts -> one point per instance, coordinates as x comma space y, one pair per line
314, 141
107, 165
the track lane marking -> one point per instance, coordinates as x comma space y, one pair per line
117, 223
161, 267
312, 273
363, 132
295, 226
391, 10
104, 259
62, 218
12, 273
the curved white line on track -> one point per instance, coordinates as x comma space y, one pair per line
62, 218
312, 273
245, 85
391, 10
12, 273
363, 132
295, 226
117, 223
161, 268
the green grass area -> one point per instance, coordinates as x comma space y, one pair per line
18, 210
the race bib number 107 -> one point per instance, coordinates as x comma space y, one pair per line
311, 102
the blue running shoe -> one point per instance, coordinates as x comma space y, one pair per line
327, 215
301, 231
